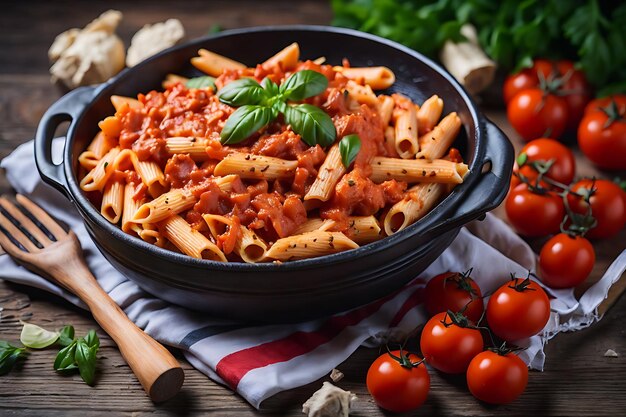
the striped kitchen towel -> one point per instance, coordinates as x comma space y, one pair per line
262, 360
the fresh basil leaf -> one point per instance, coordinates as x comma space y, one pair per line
270, 87
242, 91
244, 122
349, 147
66, 336
303, 84
8, 356
86, 361
312, 124
92, 339
65, 359
201, 82
36, 337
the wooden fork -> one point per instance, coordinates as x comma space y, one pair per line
36, 241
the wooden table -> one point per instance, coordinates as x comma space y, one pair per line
578, 379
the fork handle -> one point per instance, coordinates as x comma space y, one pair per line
158, 371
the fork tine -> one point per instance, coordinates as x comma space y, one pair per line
46, 223
25, 226
8, 241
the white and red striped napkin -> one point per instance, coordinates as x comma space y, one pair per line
260, 361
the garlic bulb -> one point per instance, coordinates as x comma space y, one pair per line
152, 39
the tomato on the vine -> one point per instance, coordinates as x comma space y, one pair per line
600, 103
398, 382
454, 291
565, 261
602, 136
526, 78
497, 378
576, 92
447, 345
563, 163
608, 206
534, 113
518, 309
533, 214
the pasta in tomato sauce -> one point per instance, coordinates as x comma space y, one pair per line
287, 187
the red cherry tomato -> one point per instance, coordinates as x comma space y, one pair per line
577, 92
495, 378
608, 206
526, 79
395, 387
449, 347
533, 214
544, 149
566, 261
534, 114
599, 103
454, 291
602, 138
518, 309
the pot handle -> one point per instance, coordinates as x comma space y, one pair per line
67, 108
491, 188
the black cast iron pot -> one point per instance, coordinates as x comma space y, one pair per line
300, 289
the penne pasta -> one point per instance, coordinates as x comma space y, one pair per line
385, 109
286, 59
131, 205
435, 143
88, 160
362, 94
189, 241
377, 78
252, 166
417, 170
406, 133
309, 245
167, 204
149, 232
151, 175
194, 147
364, 229
420, 200
214, 64
173, 79
96, 179
314, 223
429, 113
328, 175
119, 102
113, 200
248, 245
101, 145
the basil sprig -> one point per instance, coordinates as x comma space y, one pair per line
260, 104
349, 147
9, 354
78, 354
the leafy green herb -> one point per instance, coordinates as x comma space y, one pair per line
592, 33
201, 82
66, 336
9, 354
78, 354
242, 91
312, 123
215, 28
36, 337
349, 147
261, 103
245, 121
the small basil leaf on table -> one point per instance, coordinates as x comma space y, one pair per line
36, 337
304, 84
92, 339
242, 91
66, 336
349, 147
9, 355
65, 359
201, 82
85, 356
244, 122
312, 124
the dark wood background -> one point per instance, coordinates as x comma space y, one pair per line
578, 378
